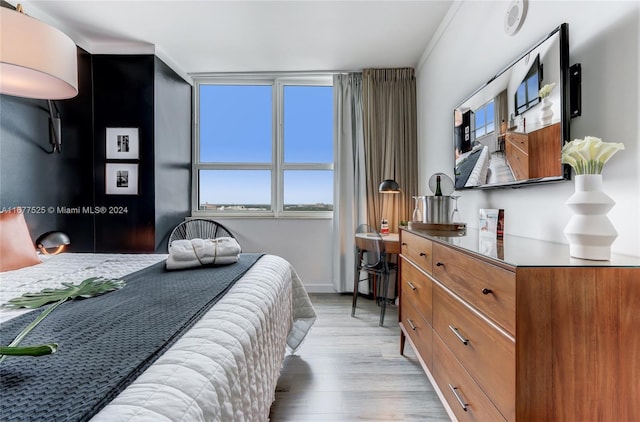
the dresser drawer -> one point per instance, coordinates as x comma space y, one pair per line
521, 140
465, 397
416, 287
518, 160
417, 328
487, 354
488, 288
417, 249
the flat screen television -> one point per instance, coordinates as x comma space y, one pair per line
505, 134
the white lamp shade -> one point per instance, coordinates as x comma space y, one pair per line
36, 60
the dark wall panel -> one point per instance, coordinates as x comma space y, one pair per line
64, 191
49, 184
124, 97
78, 146
172, 151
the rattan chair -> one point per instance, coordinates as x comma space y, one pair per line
199, 228
372, 260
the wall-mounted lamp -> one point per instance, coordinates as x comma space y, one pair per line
55, 128
50, 240
36, 60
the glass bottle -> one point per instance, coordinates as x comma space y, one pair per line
384, 226
438, 190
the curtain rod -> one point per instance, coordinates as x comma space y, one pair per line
292, 73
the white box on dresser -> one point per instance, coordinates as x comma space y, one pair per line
529, 335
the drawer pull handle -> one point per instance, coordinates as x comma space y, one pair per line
458, 397
404, 244
423, 254
439, 264
455, 331
486, 291
411, 285
411, 324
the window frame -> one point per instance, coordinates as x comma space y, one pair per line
483, 108
534, 71
277, 166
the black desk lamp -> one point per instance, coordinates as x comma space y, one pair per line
390, 186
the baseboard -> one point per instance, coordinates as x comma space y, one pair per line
319, 288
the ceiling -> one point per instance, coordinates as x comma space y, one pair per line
250, 36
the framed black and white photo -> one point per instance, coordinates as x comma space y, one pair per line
121, 179
122, 143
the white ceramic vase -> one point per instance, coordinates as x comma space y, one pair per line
589, 231
546, 113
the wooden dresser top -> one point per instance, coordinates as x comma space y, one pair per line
516, 251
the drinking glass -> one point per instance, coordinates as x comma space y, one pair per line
455, 215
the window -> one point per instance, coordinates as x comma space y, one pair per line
263, 147
526, 95
485, 119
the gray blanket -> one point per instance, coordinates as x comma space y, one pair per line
105, 342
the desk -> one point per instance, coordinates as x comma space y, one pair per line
391, 243
365, 242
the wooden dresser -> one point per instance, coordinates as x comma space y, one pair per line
528, 335
534, 154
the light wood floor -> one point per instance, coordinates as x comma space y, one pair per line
350, 369
499, 170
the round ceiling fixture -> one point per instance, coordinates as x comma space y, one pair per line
514, 16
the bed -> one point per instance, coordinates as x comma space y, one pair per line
223, 368
472, 167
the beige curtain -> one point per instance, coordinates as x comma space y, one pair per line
390, 142
501, 112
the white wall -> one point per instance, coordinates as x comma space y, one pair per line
305, 243
605, 37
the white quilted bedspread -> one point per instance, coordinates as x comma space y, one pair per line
225, 368
478, 175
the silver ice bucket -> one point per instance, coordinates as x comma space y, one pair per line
438, 209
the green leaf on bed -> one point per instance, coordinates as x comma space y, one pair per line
90, 287
40, 350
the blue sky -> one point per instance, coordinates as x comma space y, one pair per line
236, 126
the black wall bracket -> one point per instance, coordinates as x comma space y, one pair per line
575, 90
